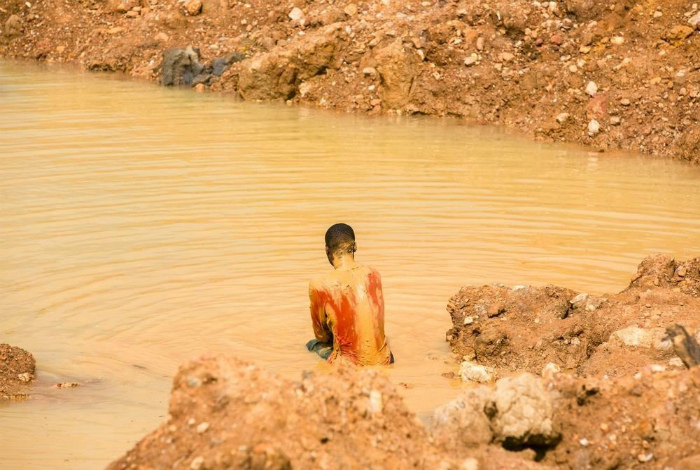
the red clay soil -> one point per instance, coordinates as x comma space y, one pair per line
225, 413
524, 328
620, 75
16, 371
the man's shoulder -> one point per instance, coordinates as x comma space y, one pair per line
319, 283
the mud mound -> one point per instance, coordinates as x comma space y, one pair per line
525, 328
16, 371
225, 413
651, 418
228, 414
617, 75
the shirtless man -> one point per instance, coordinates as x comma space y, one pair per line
347, 306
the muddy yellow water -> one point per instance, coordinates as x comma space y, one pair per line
142, 226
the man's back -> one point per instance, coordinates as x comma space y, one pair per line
347, 309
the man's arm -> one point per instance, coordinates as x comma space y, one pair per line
318, 315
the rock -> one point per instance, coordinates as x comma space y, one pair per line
694, 20
462, 422
296, 14
132, 14
397, 69
471, 60
202, 427
625, 102
597, 107
25, 377
161, 37
480, 43
591, 89
506, 56
370, 72
593, 127
350, 10
13, 26
524, 412
472, 372
617, 40
221, 64
615, 121
562, 117
676, 362
678, 33
193, 7
556, 39
633, 336
180, 67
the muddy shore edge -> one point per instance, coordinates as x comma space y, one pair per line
621, 75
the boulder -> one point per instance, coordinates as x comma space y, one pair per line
397, 70
13, 26
180, 66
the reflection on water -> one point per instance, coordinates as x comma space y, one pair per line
142, 226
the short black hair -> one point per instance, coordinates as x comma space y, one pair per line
340, 237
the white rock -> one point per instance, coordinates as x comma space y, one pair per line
550, 370
634, 337
591, 88
375, 402
695, 21
676, 362
469, 464
197, 463
617, 40
202, 427
468, 320
472, 372
562, 117
296, 14
593, 127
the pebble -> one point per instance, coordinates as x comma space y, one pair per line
615, 121
161, 37
470, 60
573, 68
625, 102
695, 21
556, 39
658, 14
193, 7
583, 442
25, 377
506, 56
350, 10
296, 14
375, 402
197, 463
591, 88
675, 362
480, 43
618, 40
202, 427
562, 117
593, 127
370, 71
645, 457
468, 320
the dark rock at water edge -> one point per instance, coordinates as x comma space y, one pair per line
182, 67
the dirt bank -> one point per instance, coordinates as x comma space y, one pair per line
610, 75
525, 328
16, 371
228, 414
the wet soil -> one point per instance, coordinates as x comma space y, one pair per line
16, 372
618, 75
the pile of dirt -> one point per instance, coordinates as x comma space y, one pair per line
652, 418
499, 330
229, 414
16, 371
610, 75
225, 413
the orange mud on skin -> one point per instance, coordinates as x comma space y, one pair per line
347, 308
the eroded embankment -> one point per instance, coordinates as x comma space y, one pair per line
16, 371
624, 399
610, 75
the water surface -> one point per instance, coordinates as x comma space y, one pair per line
142, 226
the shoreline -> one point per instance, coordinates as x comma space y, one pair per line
557, 73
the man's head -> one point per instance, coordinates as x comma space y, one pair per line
340, 240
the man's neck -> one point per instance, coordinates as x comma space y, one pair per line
344, 262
